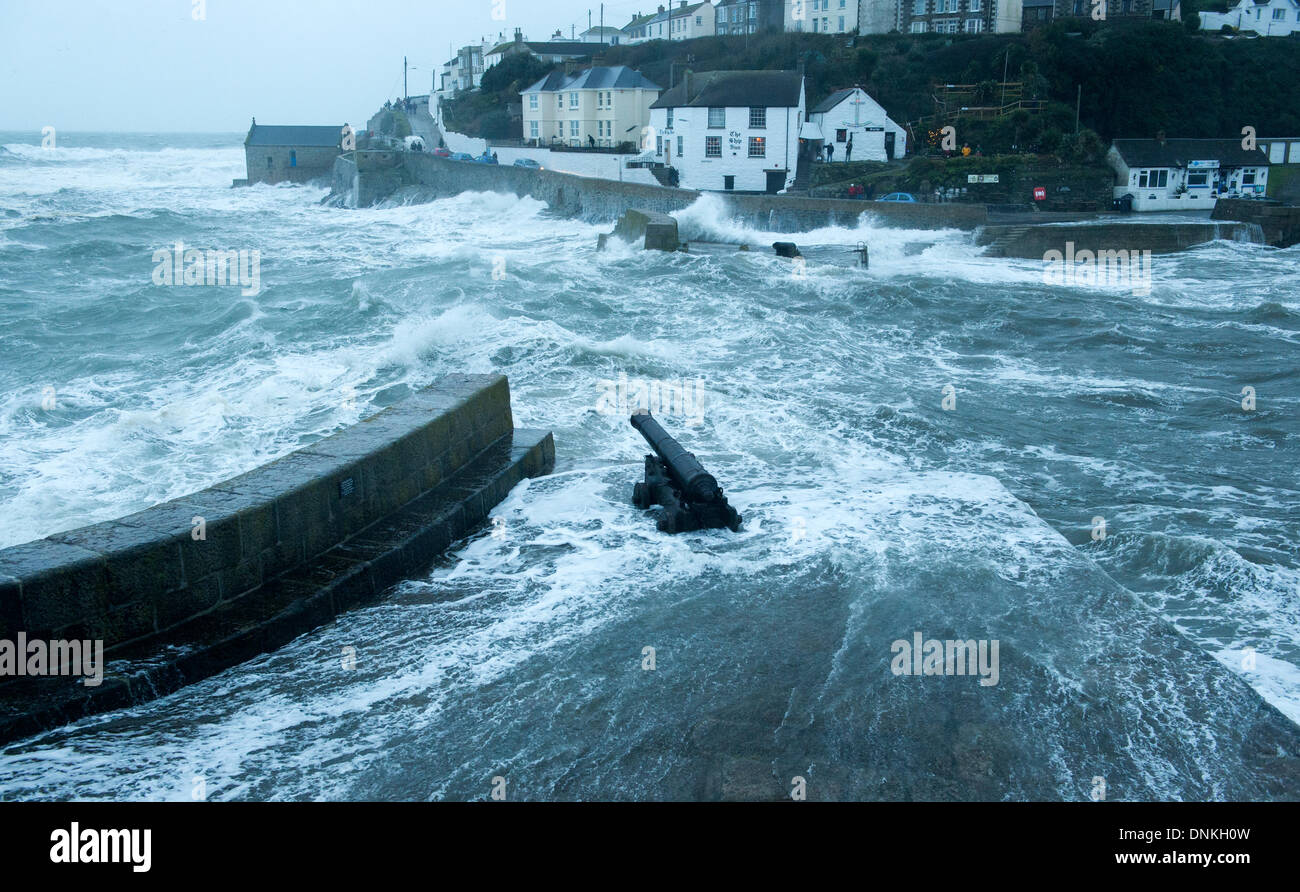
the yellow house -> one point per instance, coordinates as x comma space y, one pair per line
599, 107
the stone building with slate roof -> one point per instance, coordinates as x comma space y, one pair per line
291, 154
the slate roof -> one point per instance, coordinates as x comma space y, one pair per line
612, 77
270, 135
1177, 152
832, 100
732, 89
553, 47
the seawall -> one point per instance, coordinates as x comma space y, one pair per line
1032, 242
1279, 223
191, 587
418, 176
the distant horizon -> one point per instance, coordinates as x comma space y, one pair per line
155, 66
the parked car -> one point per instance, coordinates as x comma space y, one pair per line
442, 152
530, 163
898, 196
485, 158
461, 156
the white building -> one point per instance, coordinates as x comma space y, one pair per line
553, 51
685, 21
853, 115
1186, 174
598, 107
463, 72
1280, 150
731, 130
606, 34
824, 16
1268, 18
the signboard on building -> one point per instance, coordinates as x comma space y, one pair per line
982, 178
1040, 193
1202, 165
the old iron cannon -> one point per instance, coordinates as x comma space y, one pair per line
674, 479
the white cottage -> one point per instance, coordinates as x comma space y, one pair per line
852, 116
1268, 18
1186, 174
730, 130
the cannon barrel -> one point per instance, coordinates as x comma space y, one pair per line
696, 483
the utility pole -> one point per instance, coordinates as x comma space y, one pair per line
1005, 63
405, 92
1077, 103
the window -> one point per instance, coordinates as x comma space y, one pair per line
532, 101
1279, 14
573, 100
532, 130
717, 118
841, 135
1153, 179
699, 21
1198, 180
814, 26
757, 147
1248, 177
841, 23
974, 26
575, 128
713, 147
681, 146
659, 145
826, 25
918, 27
918, 7
757, 118
976, 5
670, 120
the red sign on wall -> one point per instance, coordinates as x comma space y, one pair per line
1040, 194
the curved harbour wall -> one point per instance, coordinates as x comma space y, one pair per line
375, 176
250, 563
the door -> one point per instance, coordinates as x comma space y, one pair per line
775, 181
728, 183
889, 146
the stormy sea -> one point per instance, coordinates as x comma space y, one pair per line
941, 447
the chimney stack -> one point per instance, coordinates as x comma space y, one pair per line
519, 35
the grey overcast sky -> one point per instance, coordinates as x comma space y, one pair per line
152, 66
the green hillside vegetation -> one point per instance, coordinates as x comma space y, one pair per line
1137, 79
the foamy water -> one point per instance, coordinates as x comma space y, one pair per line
871, 510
